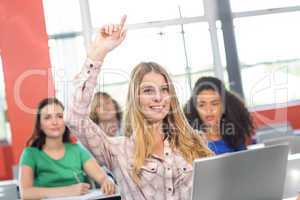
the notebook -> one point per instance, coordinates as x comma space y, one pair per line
92, 195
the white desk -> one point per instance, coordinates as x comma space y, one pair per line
292, 180
292, 198
8, 190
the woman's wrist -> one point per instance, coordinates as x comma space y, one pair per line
96, 54
103, 179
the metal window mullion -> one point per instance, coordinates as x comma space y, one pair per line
232, 60
211, 14
163, 23
87, 28
265, 12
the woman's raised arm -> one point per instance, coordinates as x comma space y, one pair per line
77, 113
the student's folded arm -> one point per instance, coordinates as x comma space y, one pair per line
77, 115
29, 191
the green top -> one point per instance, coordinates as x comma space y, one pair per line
49, 172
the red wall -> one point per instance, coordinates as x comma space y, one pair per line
26, 63
6, 159
290, 113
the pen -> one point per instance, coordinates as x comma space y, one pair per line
76, 177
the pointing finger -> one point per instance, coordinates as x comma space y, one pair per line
123, 20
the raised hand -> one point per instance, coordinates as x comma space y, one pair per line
109, 37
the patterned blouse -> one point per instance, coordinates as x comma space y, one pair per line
161, 178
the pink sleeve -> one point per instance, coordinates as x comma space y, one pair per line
77, 115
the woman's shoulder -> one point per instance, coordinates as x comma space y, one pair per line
30, 153
220, 141
122, 144
34, 150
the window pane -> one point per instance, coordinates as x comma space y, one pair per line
161, 45
117, 91
239, 5
182, 88
268, 38
269, 52
62, 16
67, 56
198, 46
272, 83
142, 11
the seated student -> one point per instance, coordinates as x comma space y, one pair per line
220, 114
106, 112
54, 166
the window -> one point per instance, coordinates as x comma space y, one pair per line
139, 11
62, 16
271, 83
266, 44
269, 56
67, 56
239, 6
66, 45
166, 47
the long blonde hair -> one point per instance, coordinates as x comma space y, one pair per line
181, 136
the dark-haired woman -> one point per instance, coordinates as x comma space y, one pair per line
54, 166
220, 114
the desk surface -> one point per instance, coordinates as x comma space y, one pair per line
292, 198
9, 182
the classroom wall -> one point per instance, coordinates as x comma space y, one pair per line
268, 115
25, 56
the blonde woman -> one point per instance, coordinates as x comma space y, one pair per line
106, 112
154, 158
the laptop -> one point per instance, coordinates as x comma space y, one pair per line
256, 174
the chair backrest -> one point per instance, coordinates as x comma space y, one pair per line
292, 180
292, 141
272, 131
15, 170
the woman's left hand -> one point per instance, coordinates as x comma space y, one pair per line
108, 186
108, 38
